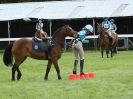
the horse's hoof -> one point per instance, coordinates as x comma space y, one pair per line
59, 78
13, 80
19, 76
45, 78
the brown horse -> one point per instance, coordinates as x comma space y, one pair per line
109, 44
21, 49
114, 42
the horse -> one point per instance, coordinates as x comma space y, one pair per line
109, 44
21, 49
114, 43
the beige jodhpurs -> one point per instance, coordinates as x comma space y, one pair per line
78, 50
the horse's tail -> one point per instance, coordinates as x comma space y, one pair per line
7, 57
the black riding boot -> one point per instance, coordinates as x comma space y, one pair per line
75, 67
81, 66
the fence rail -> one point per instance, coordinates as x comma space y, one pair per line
87, 37
126, 36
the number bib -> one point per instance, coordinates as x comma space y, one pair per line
106, 26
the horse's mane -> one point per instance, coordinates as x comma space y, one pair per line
102, 29
57, 31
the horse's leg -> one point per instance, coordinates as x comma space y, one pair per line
111, 49
19, 74
116, 50
102, 52
55, 62
15, 67
13, 72
48, 69
107, 53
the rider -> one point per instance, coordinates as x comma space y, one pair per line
78, 48
39, 25
106, 24
113, 26
39, 28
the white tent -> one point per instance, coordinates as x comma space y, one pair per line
66, 9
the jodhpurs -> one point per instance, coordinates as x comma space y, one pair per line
78, 50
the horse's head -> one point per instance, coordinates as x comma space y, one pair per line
99, 27
102, 32
40, 34
69, 31
61, 33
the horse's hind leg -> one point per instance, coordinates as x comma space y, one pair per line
19, 74
111, 52
48, 69
102, 52
115, 49
16, 68
107, 52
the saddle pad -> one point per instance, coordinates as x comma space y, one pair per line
40, 46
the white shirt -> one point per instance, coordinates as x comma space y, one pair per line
39, 26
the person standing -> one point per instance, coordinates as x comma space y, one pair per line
78, 48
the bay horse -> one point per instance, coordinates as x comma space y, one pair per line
21, 49
106, 43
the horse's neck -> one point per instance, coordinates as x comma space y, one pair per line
103, 33
59, 39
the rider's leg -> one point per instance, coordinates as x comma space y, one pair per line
75, 49
81, 54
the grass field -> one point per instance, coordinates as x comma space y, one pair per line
114, 79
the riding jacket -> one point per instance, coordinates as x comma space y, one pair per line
106, 25
113, 27
39, 26
87, 29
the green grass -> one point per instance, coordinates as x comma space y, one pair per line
114, 79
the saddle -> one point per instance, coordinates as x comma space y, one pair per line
40, 46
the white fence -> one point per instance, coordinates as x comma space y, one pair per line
120, 36
126, 36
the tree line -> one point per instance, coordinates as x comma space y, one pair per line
19, 1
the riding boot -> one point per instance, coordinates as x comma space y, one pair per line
81, 66
75, 67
